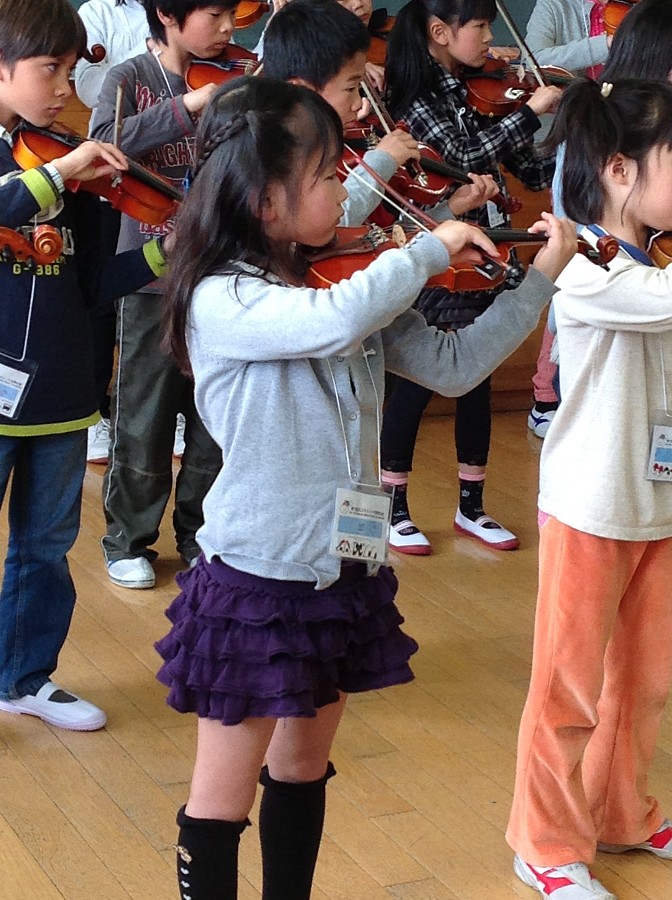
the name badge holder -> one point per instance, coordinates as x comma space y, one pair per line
659, 466
17, 372
362, 512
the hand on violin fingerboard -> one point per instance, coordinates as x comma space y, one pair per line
559, 249
196, 101
376, 74
544, 98
464, 241
471, 196
505, 53
400, 145
91, 159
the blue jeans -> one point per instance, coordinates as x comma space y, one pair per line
38, 596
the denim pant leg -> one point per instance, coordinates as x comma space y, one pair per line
38, 596
404, 406
201, 462
146, 398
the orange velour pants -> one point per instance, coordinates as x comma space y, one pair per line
601, 671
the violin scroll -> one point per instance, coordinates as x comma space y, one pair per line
95, 55
45, 248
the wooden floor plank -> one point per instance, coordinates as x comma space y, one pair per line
425, 771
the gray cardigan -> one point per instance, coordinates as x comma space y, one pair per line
269, 363
558, 35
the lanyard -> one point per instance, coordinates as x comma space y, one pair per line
365, 354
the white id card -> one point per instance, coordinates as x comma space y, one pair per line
660, 457
15, 379
361, 524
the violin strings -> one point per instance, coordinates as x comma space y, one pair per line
396, 203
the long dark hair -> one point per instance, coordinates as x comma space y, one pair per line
642, 46
255, 131
408, 71
596, 121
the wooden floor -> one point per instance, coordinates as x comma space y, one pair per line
420, 804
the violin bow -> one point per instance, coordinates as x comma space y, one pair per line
520, 40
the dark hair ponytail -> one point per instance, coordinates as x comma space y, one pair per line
596, 121
254, 131
408, 71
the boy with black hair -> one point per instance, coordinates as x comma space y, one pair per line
334, 67
159, 121
46, 359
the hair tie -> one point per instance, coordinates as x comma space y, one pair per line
606, 89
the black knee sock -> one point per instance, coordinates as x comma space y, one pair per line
207, 858
291, 818
471, 499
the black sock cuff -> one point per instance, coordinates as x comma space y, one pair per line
266, 780
185, 821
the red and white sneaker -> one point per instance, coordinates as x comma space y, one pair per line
405, 537
660, 843
573, 881
486, 530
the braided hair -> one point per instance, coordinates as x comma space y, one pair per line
254, 132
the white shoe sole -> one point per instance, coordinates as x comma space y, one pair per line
93, 724
508, 541
528, 878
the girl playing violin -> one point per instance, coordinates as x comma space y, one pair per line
602, 659
287, 610
430, 45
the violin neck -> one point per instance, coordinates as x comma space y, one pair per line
441, 168
514, 236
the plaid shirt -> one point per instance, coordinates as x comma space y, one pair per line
474, 143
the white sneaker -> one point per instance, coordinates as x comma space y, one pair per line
405, 537
136, 572
98, 442
573, 881
486, 530
539, 422
660, 843
58, 707
178, 444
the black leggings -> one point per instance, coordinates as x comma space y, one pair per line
405, 404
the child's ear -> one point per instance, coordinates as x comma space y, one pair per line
166, 20
438, 31
621, 169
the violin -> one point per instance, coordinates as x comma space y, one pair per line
500, 88
660, 249
138, 192
380, 27
250, 11
614, 13
354, 248
234, 61
45, 247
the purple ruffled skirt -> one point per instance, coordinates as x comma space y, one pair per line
243, 646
